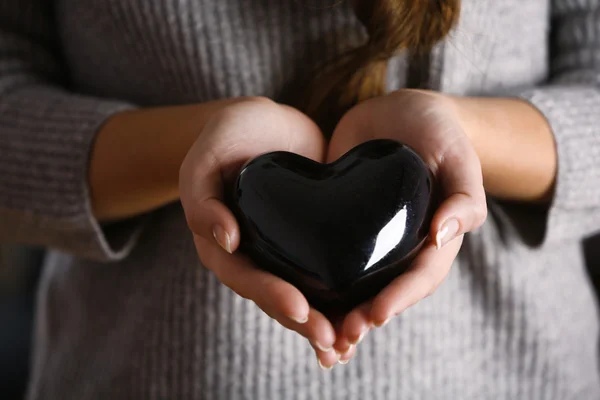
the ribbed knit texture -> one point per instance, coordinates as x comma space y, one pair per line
127, 312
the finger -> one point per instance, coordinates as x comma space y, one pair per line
443, 145
328, 356
326, 359
341, 345
202, 198
318, 330
427, 272
226, 143
347, 356
344, 347
457, 215
321, 332
276, 297
355, 326
464, 207
211, 219
272, 294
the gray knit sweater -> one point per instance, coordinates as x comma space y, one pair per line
126, 312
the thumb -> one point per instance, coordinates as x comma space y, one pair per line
230, 140
211, 219
464, 207
202, 193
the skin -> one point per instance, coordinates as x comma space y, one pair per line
469, 144
515, 145
504, 145
135, 165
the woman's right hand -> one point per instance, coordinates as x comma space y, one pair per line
234, 135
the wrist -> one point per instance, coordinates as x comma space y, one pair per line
515, 146
465, 110
134, 166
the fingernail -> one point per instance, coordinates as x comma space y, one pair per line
222, 238
360, 338
342, 352
322, 366
345, 360
380, 324
302, 320
321, 347
447, 233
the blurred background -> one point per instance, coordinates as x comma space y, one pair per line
19, 272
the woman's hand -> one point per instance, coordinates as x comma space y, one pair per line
234, 135
429, 124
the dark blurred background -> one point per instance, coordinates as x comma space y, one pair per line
592, 252
19, 271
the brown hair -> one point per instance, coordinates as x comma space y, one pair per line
360, 74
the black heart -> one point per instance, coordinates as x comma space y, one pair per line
339, 232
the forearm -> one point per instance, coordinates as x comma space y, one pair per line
135, 161
515, 145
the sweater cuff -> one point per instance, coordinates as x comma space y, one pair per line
573, 113
47, 136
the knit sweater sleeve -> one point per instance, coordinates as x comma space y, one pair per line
570, 101
46, 136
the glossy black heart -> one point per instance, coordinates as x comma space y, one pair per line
338, 232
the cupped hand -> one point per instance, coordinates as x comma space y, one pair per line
429, 123
236, 134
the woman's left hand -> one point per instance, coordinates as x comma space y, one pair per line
429, 123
